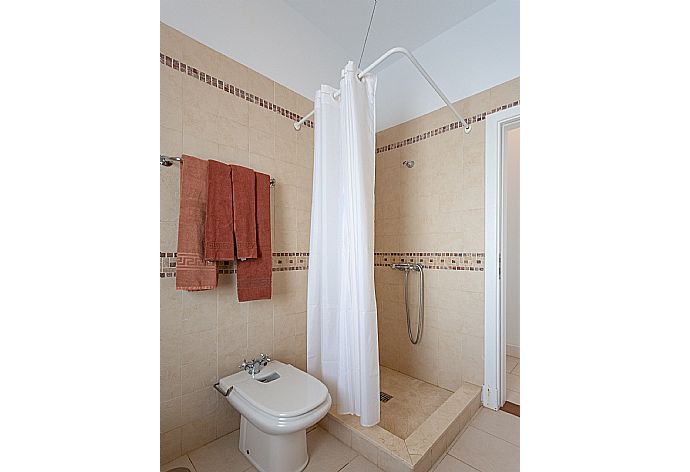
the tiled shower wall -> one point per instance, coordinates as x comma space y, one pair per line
434, 213
245, 119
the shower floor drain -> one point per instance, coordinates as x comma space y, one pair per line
384, 397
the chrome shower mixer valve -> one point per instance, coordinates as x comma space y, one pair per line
254, 366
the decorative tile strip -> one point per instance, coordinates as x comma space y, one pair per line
473, 261
445, 128
285, 261
282, 261
168, 264
227, 87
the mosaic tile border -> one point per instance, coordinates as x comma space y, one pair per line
445, 128
473, 261
227, 87
285, 261
282, 261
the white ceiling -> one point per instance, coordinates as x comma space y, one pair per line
465, 45
407, 23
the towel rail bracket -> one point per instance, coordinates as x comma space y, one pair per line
225, 394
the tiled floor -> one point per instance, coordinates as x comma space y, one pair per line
513, 379
491, 443
412, 403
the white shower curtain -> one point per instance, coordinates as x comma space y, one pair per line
342, 336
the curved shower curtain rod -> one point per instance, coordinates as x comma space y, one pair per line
408, 54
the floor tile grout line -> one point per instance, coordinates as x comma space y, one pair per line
514, 367
358, 455
492, 434
479, 429
468, 465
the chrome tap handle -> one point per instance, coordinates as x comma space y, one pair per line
244, 365
264, 359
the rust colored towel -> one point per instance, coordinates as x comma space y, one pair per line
193, 272
254, 275
244, 208
219, 241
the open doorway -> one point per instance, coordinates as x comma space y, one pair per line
510, 259
502, 255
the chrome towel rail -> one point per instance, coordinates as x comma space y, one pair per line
167, 161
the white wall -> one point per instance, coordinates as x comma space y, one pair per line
512, 246
476, 54
274, 39
265, 35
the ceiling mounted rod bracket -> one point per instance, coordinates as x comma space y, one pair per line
408, 54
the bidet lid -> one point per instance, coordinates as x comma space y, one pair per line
293, 394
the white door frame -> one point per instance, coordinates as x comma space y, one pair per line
494, 391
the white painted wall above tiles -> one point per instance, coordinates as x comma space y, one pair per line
476, 54
284, 44
265, 35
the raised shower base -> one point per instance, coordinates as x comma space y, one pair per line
424, 445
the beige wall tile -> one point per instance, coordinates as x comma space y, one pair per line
234, 73
199, 346
227, 418
170, 381
198, 375
171, 445
171, 112
198, 147
261, 143
202, 57
260, 85
169, 193
304, 105
232, 133
259, 336
170, 142
474, 104
170, 308
199, 311
197, 405
262, 119
168, 237
199, 96
233, 108
171, 416
504, 93
199, 122
171, 350
285, 97
197, 433
233, 155
171, 40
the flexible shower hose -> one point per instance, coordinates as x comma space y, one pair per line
420, 314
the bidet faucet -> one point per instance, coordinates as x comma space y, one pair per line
254, 366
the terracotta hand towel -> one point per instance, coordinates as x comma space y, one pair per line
219, 240
244, 209
193, 272
254, 275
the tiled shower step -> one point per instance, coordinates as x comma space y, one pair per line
422, 448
